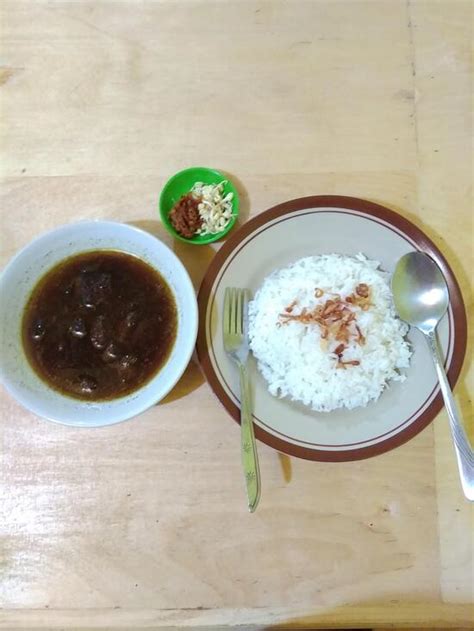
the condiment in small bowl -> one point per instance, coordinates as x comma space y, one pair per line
181, 185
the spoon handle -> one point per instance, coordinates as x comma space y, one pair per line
464, 452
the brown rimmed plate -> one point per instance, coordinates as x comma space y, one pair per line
311, 226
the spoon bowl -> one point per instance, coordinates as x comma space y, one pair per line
420, 291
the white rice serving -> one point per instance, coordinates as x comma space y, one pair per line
302, 360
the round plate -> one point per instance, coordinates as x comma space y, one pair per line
311, 226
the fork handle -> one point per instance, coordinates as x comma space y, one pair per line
248, 443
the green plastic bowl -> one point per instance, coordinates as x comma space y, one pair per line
179, 185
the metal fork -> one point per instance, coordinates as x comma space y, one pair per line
236, 344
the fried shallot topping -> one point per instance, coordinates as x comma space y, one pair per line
336, 318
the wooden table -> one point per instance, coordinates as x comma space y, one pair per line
144, 525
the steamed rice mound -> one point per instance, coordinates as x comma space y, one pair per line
299, 360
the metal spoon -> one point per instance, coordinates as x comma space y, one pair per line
421, 298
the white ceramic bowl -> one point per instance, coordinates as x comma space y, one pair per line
22, 274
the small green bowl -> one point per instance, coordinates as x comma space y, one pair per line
180, 184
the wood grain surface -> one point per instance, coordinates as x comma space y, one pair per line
144, 525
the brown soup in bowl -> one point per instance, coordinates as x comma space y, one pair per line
99, 325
